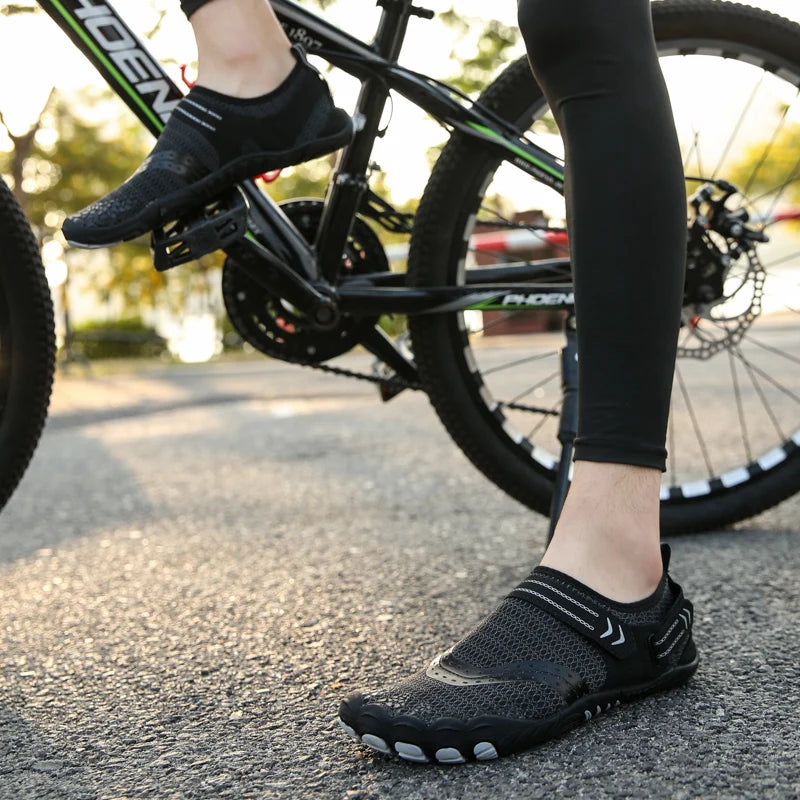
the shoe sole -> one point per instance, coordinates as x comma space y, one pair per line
451, 741
165, 209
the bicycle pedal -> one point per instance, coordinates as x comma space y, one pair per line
389, 389
213, 226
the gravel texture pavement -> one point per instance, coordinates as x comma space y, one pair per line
190, 583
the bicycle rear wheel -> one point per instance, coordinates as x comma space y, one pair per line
27, 344
734, 433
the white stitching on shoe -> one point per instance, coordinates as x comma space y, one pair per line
565, 596
560, 608
666, 635
202, 108
194, 118
676, 640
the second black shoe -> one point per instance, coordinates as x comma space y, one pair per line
553, 654
210, 142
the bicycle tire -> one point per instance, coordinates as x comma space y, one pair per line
441, 347
27, 344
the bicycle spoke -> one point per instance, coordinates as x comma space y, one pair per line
526, 360
537, 231
774, 381
740, 408
695, 148
535, 386
782, 260
697, 431
539, 425
760, 392
529, 409
776, 276
770, 145
498, 321
786, 184
795, 175
772, 349
738, 125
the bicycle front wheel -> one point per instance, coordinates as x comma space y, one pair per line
734, 433
27, 344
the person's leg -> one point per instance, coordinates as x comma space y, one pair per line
627, 222
258, 105
599, 620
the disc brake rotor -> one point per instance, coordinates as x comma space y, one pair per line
706, 329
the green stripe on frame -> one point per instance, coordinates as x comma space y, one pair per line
517, 150
113, 71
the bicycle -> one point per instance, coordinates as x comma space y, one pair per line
308, 281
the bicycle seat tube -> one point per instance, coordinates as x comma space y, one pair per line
350, 179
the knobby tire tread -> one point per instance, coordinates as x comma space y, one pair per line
32, 347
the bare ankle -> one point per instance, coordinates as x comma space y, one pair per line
242, 50
608, 533
244, 74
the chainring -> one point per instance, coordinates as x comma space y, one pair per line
273, 325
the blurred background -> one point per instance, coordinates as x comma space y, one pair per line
65, 141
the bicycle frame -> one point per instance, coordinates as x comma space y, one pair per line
311, 274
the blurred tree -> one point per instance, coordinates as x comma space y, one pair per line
482, 48
67, 163
770, 166
11, 9
64, 162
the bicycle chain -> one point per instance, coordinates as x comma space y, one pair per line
396, 380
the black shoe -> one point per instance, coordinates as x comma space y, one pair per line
553, 654
211, 142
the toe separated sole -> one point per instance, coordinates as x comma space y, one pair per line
450, 741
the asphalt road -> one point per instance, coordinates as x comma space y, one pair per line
200, 563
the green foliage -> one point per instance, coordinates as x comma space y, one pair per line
393, 324
485, 46
122, 338
766, 166
88, 143
74, 160
231, 340
12, 9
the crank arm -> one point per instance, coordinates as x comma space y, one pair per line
275, 276
381, 346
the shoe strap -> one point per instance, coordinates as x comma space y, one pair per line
579, 611
676, 628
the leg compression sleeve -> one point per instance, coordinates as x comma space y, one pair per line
626, 208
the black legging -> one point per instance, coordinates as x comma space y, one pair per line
626, 206
190, 6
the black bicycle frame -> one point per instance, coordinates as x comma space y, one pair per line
312, 273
